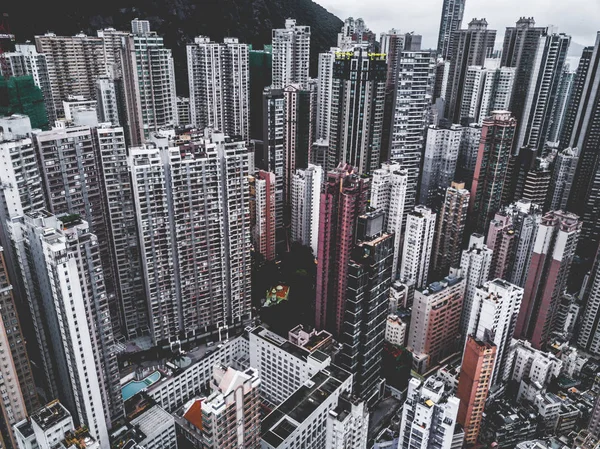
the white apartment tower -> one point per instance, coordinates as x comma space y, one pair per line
74, 63
63, 279
219, 82
496, 306
475, 266
439, 163
324, 92
388, 193
122, 227
291, 55
348, 424
26, 60
155, 80
428, 416
306, 203
418, 243
411, 115
193, 209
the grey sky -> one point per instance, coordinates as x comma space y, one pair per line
579, 18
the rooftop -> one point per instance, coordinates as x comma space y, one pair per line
50, 415
286, 418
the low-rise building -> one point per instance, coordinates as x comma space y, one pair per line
395, 330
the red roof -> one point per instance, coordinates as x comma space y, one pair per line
194, 414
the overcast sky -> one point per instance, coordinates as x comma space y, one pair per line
579, 18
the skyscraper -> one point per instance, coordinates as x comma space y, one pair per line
343, 199
65, 289
219, 85
176, 191
553, 253
450, 232
369, 280
534, 124
72, 182
585, 194
495, 309
324, 94
358, 98
418, 243
487, 88
262, 213
388, 193
563, 176
491, 180
428, 416
475, 266
434, 323
452, 16
155, 79
274, 144
74, 63
120, 216
25, 60
291, 54
306, 203
439, 164
469, 47
473, 386
411, 116
20, 395
261, 67
588, 337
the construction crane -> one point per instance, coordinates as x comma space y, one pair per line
6, 43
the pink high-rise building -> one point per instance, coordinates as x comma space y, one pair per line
343, 199
500, 239
553, 252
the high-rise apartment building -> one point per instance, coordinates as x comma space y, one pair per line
439, 164
475, 269
553, 253
19, 392
274, 144
429, 416
451, 21
120, 216
487, 88
74, 63
563, 176
219, 82
324, 93
229, 417
418, 244
491, 180
368, 285
470, 47
262, 213
305, 205
155, 79
72, 182
519, 50
260, 65
467, 158
298, 133
585, 136
355, 33
388, 193
26, 60
358, 98
434, 323
495, 308
60, 261
348, 424
291, 54
588, 337
473, 386
450, 232
343, 199
108, 97
192, 207
411, 117
535, 123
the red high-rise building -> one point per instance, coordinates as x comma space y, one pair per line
553, 252
343, 199
473, 386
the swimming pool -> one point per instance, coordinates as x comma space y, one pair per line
135, 386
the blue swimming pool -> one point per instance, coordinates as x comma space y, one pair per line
135, 386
